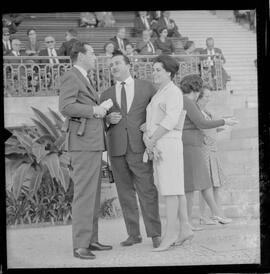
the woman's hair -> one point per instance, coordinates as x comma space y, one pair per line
188, 45
191, 83
108, 43
169, 63
160, 30
28, 31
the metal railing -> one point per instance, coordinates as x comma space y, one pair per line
36, 76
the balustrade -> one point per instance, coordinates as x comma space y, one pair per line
36, 76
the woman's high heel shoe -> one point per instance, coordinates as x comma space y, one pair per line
222, 220
166, 247
207, 221
185, 241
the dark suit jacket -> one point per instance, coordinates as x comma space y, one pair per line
44, 52
171, 32
66, 47
142, 48
118, 135
139, 26
217, 50
115, 41
77, 98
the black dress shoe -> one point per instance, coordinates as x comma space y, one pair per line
99, 247
83, 253
131, 240
156, 241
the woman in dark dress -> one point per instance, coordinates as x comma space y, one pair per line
196, 173
163, 44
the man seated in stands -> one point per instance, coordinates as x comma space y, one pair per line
166, 22
105, 19
49, 51
130, 51
212, 54
145, 46
120, 41
142, 22
6, 41
66, 47
15, 49
88, 19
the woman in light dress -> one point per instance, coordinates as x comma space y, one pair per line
163, 140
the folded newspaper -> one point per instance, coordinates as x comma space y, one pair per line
107, 104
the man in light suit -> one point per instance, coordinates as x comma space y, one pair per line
49, 51
78, 100
125, 147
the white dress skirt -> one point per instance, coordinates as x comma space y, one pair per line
168, 171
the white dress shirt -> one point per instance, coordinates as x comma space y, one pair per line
7, 44
121, 43
144, 19
129, 87
82, 71
210, 58
52, 52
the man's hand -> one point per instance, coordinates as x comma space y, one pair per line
114, 117
143, 127
99, 111
148, 142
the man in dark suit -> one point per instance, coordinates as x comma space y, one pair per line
120, 41
49, 51
145, 46
142, 22
66, 47
79, 103
166, 22
6, 42
125, 147
212, 53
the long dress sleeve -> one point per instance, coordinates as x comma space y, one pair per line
195, 115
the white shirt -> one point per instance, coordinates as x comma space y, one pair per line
16, 53
129, 87
7, 44
150, 47
144, 19
210, 60
121, 43
52, 52
82, 71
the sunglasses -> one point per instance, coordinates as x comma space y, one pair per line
6, 34
47, 42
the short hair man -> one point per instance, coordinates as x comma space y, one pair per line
125, 148
6, 41
79, 101
120, 41
71, 39
50, 51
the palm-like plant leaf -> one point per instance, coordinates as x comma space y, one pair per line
36, 181
64, 177
60, 142
46, 122
45, 139
57, 119
39, 151
25, 140
41, 128
19, 178
52, 162
14, 150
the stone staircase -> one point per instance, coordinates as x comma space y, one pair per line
238, 147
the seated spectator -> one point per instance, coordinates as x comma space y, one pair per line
49, 51
166, 22
145, 46
6, 41
163, 44
120, 41
12, 21
88, 19
130, 51
66, 47
32, 46
105, 19
142, 22
212, 53
154, 18
15, 48
109, 49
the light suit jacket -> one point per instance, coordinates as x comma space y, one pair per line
77, 98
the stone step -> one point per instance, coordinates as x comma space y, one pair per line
238, 144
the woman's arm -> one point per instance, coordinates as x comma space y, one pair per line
197, 118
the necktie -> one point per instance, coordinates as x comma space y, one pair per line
123, 99
145, 22
150, 47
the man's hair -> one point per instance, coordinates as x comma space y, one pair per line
161, 29
73, 32
107, 43
28, 31
119, 53
188, 44
168, 63
209, 38
78, 47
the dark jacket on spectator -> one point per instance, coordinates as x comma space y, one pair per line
66, 47
139, 25
44, 52
171, 32
116, 45
166, 47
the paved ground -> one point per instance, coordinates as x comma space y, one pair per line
51, 246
